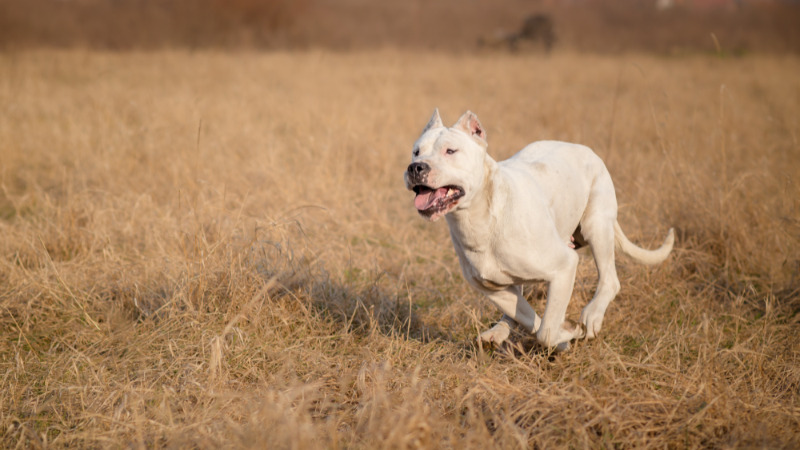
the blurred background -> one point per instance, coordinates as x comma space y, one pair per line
732, 27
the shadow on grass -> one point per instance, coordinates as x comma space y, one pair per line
361, 304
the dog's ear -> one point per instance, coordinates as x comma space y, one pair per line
435, 122
469, 123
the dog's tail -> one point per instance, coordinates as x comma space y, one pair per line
641, 255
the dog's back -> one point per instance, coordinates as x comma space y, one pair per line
559, 167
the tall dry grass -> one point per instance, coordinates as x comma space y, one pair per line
216, 250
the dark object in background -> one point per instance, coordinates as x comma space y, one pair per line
538, 27
535, 29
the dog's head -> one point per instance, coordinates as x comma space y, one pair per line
446, 165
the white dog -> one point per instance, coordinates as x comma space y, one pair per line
520, 220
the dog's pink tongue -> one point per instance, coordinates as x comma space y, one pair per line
425, 199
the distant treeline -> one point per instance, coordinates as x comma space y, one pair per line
735, 27
127, 24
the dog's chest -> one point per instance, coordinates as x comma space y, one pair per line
495, 268
484, 271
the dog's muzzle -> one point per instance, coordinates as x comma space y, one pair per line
418, 172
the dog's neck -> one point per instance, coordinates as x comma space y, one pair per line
471, 224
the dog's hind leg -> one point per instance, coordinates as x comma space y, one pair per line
600, 236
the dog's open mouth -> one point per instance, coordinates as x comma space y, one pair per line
434, 203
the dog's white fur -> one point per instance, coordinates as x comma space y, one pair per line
516, 220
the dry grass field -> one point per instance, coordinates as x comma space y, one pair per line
202, 249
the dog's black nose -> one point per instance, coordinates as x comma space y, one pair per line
418, 170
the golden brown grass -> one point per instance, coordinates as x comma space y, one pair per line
216, 250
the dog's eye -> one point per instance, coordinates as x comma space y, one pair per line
450, 151
416, 152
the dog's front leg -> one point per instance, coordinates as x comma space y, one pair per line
515, 309
554, 332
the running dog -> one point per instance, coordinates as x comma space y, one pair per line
521, 220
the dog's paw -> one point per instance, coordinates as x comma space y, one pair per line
497, 334
591, 321
593, 328
577, 330
558, 340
